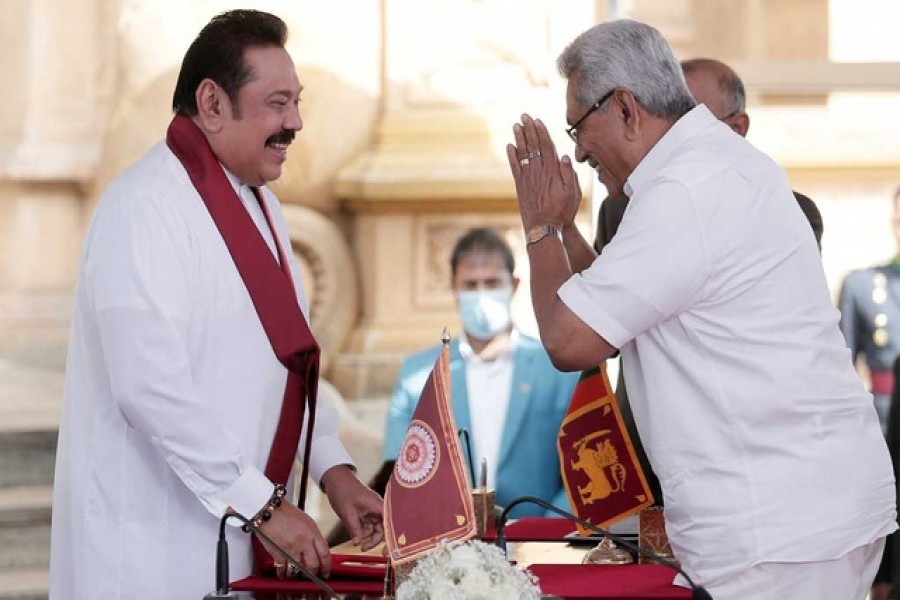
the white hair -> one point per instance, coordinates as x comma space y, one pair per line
631, 55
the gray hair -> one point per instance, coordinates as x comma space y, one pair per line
632, 55
731, 85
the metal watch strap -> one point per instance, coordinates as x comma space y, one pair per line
539, 232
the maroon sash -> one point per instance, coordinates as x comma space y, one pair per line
272, 293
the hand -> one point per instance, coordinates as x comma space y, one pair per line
547, 187
881, 590
358, 507
297, 533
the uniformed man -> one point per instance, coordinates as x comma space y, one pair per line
870, 320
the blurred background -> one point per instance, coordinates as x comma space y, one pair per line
408, 105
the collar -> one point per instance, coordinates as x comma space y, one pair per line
238, 185
684, 128
465, 349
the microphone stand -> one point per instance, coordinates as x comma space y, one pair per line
222, 578
464, 434
699, 592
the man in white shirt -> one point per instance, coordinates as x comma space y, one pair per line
191, 367
776, 479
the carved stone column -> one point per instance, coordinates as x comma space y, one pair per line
452, 91
50, 128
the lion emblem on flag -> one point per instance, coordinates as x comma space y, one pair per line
601, 465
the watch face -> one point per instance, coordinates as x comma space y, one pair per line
539, 232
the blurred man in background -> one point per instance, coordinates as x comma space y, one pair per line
504, 389
870, 320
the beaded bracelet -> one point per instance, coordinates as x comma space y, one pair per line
265, 513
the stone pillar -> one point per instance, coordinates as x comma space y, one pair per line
438, 165
58, 66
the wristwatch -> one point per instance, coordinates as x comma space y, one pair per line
539, 232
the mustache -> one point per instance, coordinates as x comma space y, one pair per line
285, 136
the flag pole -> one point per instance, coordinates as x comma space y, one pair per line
428, 498
482, 484
387, 592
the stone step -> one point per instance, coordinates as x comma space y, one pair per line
30, 404
30, 394
27, 457
33, 332
25, 585
24, 529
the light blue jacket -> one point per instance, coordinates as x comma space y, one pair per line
528, 464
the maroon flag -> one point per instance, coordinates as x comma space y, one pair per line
601, 473
427, 497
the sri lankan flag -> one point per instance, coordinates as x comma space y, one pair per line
600, 470
427, 497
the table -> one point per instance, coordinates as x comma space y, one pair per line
557, 565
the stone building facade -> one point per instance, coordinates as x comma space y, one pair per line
407, 107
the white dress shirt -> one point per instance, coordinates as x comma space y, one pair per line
765, 442
173, 393
488, 384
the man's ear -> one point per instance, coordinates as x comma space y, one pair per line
210, 105
626, 105
740, 123
515, 284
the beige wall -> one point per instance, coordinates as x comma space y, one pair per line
407, 109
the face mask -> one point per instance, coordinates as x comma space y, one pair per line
484, 313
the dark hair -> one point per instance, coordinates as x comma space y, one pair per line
481, 239
218, 54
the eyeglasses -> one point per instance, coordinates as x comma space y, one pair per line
572, 131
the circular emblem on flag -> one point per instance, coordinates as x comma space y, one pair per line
418, 456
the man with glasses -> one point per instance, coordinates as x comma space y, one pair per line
776, 478
716, 85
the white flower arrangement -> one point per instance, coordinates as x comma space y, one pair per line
471, 570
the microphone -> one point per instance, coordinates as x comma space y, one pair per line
222, 563
699, 592
463, 433
222, 578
